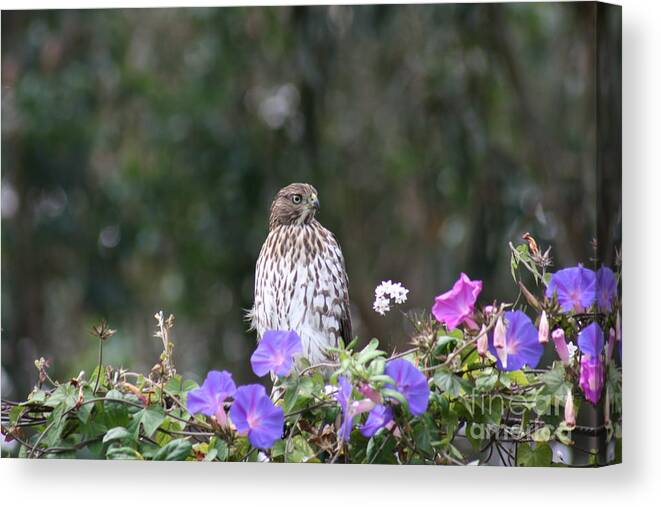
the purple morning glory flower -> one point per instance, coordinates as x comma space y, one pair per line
606, 288
591, 379
343, 397
591, 340
254, 413
208, 399
377, 419
275, 353
575, 287
411, 383
521, 345
458, 305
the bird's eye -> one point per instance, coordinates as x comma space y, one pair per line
296, 199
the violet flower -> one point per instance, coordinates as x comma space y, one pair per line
458, 305
208, 399
253, 413
591, 340
378, 418
575, 288
521, 346
343, 397
606, 288
591, 379
275, 353
411, 383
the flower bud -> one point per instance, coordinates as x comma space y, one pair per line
570, 413
558, 336
483, 342
499, 341
489, 310
543, 334
369, 392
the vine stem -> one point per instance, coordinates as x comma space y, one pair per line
98, 372
469, 343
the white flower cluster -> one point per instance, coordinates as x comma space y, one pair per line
386, 293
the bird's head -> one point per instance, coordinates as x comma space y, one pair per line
295, 204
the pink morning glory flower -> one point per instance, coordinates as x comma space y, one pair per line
208, 399
575, 288
519, 346
591, 379
253, 413
458, 305
378, 418
275, 353
411, 383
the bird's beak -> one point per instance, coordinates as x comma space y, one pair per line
314, 202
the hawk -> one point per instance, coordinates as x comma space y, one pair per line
301, 282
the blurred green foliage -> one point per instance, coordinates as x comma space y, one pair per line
141, 149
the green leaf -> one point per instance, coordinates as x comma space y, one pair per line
448, 382
58, 420
442, 343
391, 393
117, 414
123, 453
150, 418
493, 410
297, 394
369, 352
540, 455
221, 448
15, 414
116, 433
554, 379
176, 450
85, 410
486, 382
542, 434
37, 396
423, 434
178, 387
384, 379
476, 433
563, 434
299, 450
518, 377
65, 395
381, 449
